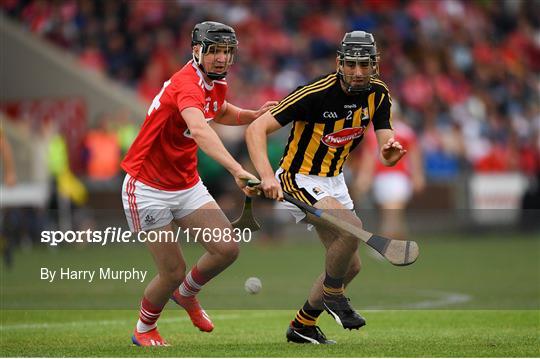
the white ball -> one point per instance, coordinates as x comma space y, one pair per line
253, 285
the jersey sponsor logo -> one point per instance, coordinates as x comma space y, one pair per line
342, 137
329, 114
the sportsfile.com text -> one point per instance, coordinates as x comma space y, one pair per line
117, 235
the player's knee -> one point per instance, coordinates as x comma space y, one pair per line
229, 252
178, 277
232, 252
175, 276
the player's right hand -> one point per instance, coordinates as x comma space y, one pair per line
271, 188
241, 177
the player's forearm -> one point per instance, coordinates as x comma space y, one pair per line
210, 143
385, 138
235, 116
256, 143
245, 117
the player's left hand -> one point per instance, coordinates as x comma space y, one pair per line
392, 151
241, 178
267, 106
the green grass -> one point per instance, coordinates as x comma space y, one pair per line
456, 272
250, 333
465, 297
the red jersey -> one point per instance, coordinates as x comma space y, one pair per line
406, 137
164, 155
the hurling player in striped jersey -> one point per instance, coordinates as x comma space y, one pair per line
329, 117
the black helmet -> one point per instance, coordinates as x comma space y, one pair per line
210, 33
360, 47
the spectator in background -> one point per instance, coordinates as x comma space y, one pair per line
151, 82
9, 177
125, 128
442, 146
465, 70
67, 191
8, 165
91, 57
103, 151
392, 187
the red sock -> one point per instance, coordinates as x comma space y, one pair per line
148, 316
193, 282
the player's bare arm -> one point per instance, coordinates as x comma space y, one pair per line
209, 142
231, 115
391, 150
256, 134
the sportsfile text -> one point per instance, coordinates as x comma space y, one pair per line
117, 235
109, 235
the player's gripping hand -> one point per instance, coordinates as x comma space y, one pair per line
241, 177
266, 107
271, 188
392, 151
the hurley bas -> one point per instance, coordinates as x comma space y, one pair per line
67, 273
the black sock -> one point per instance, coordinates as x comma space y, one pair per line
332, 286
306, 316
314, 312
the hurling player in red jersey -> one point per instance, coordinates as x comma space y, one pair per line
162, 184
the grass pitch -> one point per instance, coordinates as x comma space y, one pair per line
465, 297
251, 333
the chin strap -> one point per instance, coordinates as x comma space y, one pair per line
351, 89
211, 75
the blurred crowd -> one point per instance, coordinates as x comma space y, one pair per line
465, 73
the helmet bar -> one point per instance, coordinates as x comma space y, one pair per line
229, 50
366, 79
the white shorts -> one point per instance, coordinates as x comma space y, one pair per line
311, 189
149, 208
391, 187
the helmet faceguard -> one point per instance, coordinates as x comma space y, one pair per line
358, 48
214, 37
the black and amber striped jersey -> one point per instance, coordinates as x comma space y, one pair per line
328, 124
